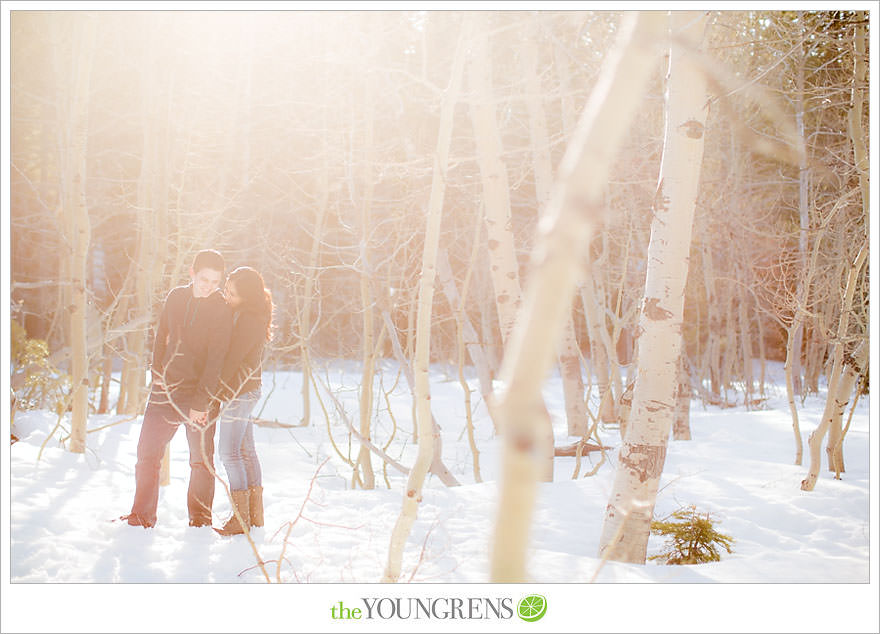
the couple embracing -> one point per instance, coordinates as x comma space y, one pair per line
206, 371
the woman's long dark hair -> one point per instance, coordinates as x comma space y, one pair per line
251, 288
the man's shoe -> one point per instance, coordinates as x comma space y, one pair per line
199, 522
133, 519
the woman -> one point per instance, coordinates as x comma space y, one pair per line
251, 305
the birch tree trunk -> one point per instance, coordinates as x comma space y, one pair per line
151, 212
469, 335
413, 495
504, 266
496, 189
311, 272
127, 366
681, 426
569, 353
851, 373
630, 507
803, 214
601, 350
79, 227
437, 467
837, 399
565, 231
366, 478
855, 116
147, 197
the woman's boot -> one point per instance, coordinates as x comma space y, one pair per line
256, 505
241, 503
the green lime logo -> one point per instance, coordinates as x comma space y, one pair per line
532, 608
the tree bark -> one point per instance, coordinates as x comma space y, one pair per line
438, 468
366, 478
601, 351
413, 494
837, 400
569, 353
504, 266
469, 335
311, 272
565, 232
630, 507
855, 116
79, 226
681, 426
803, 212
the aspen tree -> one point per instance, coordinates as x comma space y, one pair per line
853, 371
841, 382
681, 425
799, 315
602, 353
365, 477
437, 467
855, 125
565, 231
311, 272
569, 353
503, 262
151, 205
75, 208
630, 507
797, 334
504, 266
422, 394
470, 339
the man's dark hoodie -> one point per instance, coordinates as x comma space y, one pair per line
191, 342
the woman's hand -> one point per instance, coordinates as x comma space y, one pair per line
197, 418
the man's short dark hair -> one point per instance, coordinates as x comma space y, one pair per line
209, 259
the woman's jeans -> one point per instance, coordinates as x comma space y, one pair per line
237, 442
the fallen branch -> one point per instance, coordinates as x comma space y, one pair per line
263, 422
572, 449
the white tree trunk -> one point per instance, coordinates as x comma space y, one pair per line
681, 426
311, 272
601, 351
569, 353
854, 122
565, 232
496, 190
363, 472
413, 494
74, 160
852, 372
469, 335
803, 214
837, 399
641, 457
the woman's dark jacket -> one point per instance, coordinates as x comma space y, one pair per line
191, 342
244, 359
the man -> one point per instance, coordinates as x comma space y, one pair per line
191, 342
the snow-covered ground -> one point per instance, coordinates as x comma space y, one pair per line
334, 540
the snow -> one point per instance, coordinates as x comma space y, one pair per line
794, 551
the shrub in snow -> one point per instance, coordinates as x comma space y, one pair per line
36, 382
692, 538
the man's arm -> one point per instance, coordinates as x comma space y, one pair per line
217, 348
160, 343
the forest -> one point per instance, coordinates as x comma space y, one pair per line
606, 194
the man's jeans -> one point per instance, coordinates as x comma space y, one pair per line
237, 442
161, 420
